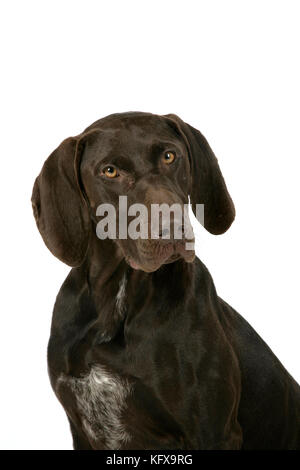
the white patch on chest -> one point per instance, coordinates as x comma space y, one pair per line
101, 399
120, 298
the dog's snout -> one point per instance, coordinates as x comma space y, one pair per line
175, 231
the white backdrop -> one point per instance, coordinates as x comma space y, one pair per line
230, 69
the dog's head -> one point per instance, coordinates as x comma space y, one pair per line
153, 161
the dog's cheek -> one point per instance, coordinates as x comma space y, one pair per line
128, 249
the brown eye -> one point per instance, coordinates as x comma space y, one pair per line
110, 172
169, 157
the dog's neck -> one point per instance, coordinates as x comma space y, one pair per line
103, 261
107, 270
116, 288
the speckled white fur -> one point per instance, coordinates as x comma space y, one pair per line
120, 299
101, 399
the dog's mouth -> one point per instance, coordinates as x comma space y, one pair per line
172, 259
150, 261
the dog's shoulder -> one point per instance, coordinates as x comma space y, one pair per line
73, 306
73, 313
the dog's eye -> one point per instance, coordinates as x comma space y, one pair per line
110, 171
169, 157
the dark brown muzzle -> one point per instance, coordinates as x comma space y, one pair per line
167, 231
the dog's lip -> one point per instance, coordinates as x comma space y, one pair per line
132, 263
173, 258
180, 254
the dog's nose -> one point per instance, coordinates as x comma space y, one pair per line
174, 232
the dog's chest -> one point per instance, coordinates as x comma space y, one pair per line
100, 398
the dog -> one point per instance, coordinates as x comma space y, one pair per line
143, 354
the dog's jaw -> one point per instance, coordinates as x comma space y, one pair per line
177, 251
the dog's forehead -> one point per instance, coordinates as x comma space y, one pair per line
130, 120
137, 126
129, 133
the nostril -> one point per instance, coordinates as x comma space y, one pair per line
164, 233
176, 232
179, 231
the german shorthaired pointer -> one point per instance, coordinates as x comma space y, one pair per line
143, 354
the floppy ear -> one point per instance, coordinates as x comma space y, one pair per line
208, 186
59, 208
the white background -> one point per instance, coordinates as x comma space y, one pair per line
229, 68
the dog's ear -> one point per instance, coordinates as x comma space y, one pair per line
59, 207
207, 183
